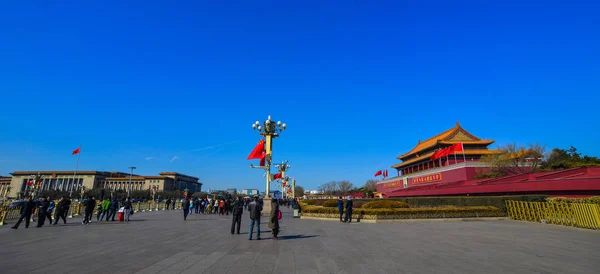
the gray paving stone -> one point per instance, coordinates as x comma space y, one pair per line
161, 242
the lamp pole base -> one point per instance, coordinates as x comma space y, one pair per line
266, 211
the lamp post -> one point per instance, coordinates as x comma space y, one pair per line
283, 167
292, 187
270, 130
37, 179
130, 175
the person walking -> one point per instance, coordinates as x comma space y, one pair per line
274, 219
254, 208
90, 204
128, 208
348, 217
26, 211
51, 206
60, 211
186, 208
42, 211
340, 207
105, 209
237, 211
112, 209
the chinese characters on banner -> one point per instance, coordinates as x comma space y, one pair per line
392, 184
427, 179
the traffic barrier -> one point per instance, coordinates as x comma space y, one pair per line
568, 214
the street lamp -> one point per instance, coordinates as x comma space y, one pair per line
283, 167
269, 129
37, 179
130, 175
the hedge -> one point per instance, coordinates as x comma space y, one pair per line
385, 204
408, 213
496, 201
330, 203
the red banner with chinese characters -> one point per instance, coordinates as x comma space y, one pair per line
427, 179
392, 184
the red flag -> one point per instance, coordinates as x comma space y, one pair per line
277, 176
385, 173
258, 150
453, 148
262, 160
76, 151
438, 154
379, 173
457, 147
29, 183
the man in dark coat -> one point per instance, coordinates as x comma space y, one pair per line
42, 211
255, 209
61, 210
237, 211
90, 204
348, 217
186, 208
26, 211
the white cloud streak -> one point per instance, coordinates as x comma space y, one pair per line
174, 158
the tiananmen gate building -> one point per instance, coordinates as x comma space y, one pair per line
419, 174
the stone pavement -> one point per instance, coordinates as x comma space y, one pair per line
161, 242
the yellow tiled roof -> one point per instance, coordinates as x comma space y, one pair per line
428, 155
446, 138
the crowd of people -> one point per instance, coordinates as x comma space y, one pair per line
45, 207
236, 207
107, 209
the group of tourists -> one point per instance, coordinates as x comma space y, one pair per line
46, 206
237, 207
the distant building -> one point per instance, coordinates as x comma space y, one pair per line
275, 194
4, 186
312, 192
232, 191
68, 181
250, 192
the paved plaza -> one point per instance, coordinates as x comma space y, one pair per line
161, 242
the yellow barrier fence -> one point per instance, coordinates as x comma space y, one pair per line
569, 214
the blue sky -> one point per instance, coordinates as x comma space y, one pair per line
175, 86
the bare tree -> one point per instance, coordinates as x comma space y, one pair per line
514, 159
370, 186
345, 186
299, 191
328, 188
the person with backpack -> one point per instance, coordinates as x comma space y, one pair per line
274, 219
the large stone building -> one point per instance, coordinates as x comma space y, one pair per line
69, 181
4, 186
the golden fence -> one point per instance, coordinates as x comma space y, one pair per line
76, 209
569, 214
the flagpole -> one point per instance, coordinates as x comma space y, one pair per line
462, 145
455, 157
75, 174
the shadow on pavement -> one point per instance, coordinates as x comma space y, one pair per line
299, 236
